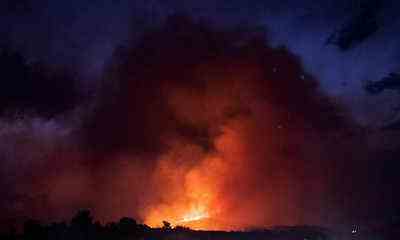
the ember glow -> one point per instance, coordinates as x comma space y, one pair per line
195, 192
194, 215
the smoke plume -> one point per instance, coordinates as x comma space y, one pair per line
200, 126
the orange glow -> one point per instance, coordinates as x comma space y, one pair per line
192, 191
194, 215
196, 185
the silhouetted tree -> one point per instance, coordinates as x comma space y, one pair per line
181, 228
82, 219
57, 231
34, 230
166, 226
81, 226
127, 226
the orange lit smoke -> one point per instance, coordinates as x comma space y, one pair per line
204, 129
199, 187
239, 134
191, 192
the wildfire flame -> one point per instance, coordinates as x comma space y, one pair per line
195, 215
195, 218
193, 204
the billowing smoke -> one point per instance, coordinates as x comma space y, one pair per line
229, 129
199, 126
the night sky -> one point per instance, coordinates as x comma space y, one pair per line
240, 110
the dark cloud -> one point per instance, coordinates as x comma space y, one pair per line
34, 86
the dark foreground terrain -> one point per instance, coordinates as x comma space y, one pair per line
82, 227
